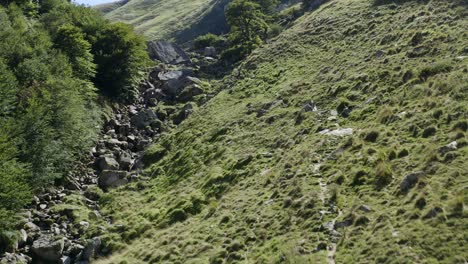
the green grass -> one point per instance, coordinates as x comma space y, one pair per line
235, 182
168, 20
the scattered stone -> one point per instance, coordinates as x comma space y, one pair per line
210, 52
65, 260
125, 161
91, 249
337, 132
144, 118
23, 237
171, 75
84, 225
31, 227
175, 86
310, 106
188, 93
365, 208
449, 147
46, 248
14, 258
167, 52
111, 179
108, 163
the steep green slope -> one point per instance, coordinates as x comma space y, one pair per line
259, 175
178, 20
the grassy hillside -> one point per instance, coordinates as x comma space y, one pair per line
178, 20
259, 175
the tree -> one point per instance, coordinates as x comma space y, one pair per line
121, 57
8, 91
70, 40
248, 25
268, 6
14, 190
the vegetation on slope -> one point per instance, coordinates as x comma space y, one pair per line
178, 20
255, 177
54, 59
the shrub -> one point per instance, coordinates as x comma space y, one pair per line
208, 40
121, 56
234, 54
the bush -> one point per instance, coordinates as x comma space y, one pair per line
121, 56
234, 54
208, 40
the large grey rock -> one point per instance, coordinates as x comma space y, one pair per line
48, 249
171, 75
14, 258
112, 178
65, 260
210, 52
452, 146
144, 118
189, 92
108, 163
338, 132
125, 161
167, 52
150, 94
90, 250
176, 86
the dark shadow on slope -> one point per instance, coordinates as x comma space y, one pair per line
213, 22
397, 2
400, 2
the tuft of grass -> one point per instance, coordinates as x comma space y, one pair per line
383, 175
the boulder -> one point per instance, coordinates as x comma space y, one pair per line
108, 163
112, 178
125, 161
337, 132
23, 237
167, 52
210, 52
114, 143
452, 146
74, 249
151, 94
48, 249
183, 114
176, 86
170, 75
90, 250
188, 93
14, 258
144, 118
65, 260
310, 106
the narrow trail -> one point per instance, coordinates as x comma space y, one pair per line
329, 208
